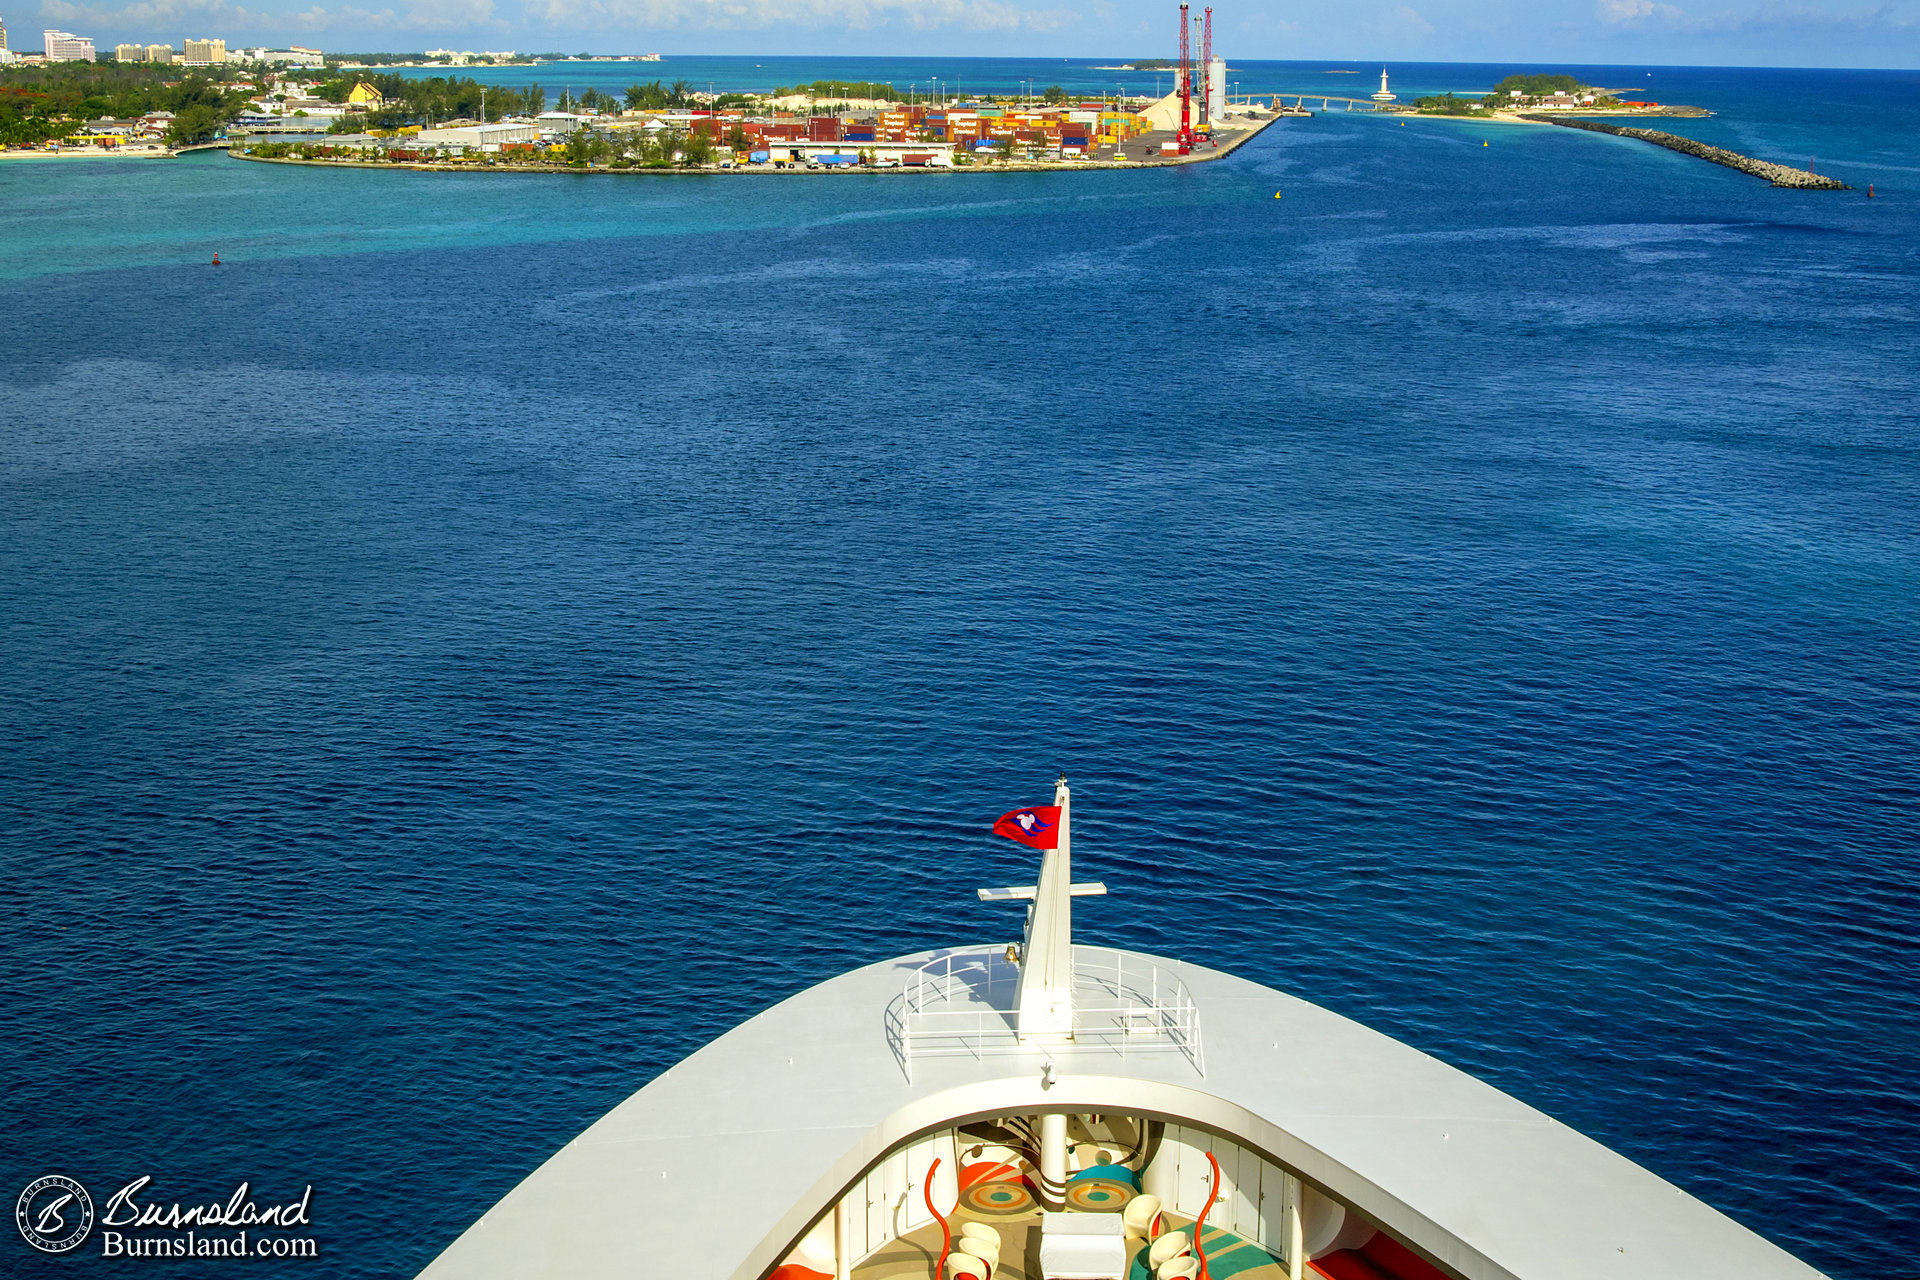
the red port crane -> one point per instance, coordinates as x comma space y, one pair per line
1185, 137
1206, 76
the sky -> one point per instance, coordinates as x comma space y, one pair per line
1820, 33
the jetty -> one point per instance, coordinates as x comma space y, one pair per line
1779, 175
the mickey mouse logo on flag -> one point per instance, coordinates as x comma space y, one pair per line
1037, 828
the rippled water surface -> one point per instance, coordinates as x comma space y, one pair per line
499, 632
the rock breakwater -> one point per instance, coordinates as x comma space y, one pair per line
1779, 175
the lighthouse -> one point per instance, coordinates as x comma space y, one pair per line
1383, 95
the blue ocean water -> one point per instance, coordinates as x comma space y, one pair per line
498, 632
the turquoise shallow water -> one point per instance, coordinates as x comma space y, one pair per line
499, 632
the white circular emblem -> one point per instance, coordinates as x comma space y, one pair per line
54, 1213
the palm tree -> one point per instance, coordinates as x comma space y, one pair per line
636, 97
680, 90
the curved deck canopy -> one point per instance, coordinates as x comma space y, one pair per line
716, 1168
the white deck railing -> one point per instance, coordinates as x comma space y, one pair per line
963, 1004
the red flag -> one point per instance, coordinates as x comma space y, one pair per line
1038, 827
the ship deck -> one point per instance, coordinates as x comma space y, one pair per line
719, 1166
912, 1256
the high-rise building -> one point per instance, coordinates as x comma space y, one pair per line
159, 53
3, 37
129, 53
297, 56
64, 46
206, 53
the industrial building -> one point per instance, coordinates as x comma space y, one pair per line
805, 151
477, 137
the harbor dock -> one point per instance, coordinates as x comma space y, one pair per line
1146, 149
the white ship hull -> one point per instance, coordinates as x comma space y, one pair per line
723, 1165
856, 1130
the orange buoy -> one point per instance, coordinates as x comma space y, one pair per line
216, 259
1869, 191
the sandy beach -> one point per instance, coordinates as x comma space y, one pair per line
135, 151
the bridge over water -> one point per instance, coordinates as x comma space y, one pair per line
1326, 102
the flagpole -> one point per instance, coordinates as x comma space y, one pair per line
1044, 1000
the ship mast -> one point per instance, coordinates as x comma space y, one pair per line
1043, 996
1044, 999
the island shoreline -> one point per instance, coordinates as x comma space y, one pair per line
1225, 149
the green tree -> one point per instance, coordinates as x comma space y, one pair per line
194, 124
647, 97
585, 147
696, 148
1538, 86
1053, 95
1446, 104
645, 150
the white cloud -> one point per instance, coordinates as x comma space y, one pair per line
858, 15
1631, 12
211, 15
1403, 24
1769, 21
1788, 20
1410, 22
1263, 23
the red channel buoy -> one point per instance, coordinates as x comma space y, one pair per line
216, 259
